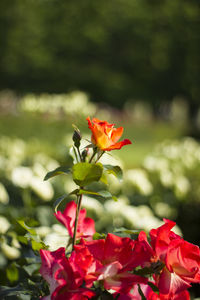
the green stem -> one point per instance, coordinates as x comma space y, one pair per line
78, 207
93, 155
75, 154
79, 153
99, 156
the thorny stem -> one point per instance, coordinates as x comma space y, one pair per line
78, 207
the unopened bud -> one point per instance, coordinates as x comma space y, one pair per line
84, 154
77, 138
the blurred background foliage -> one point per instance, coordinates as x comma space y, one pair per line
161, 176
133, 62
113, 50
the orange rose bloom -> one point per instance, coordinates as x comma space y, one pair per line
104, 136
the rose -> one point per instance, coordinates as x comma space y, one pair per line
86, 226
151, 295
108, 261
182, 267
64, 283
105, 136
181, 259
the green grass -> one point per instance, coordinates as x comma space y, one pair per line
48, 134
144, 137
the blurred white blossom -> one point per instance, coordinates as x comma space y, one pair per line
43, 189
57, 238
4, 225
73, 104
22, 176
140, 217
138, 178
4, 197
9, 251
93, 204
182, 186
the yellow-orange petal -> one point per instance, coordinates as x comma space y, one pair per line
118, 145
116, 134
91, 127
102, 123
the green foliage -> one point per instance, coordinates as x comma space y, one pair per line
86, 173
14, 291
115, 170
12, 273
73, 44
58, 201
57, 171
33, 237
132, 210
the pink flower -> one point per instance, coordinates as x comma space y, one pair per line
184, 295
64, 283
86, 226
105, 136
151, 295
110, 262
181, 259
142, 252
161, 238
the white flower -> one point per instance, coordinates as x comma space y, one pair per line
39, 170
10, 252
4, 197
172, 151
140, 217
21, 176
42, 231
42, 188
92, 204
182, 186
150, 163
139, 179
163, 210
57, 238
4, 225
166, 178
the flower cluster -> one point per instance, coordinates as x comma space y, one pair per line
125, 267
73, 104
133, 265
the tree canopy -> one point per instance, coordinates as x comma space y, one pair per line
114, 50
